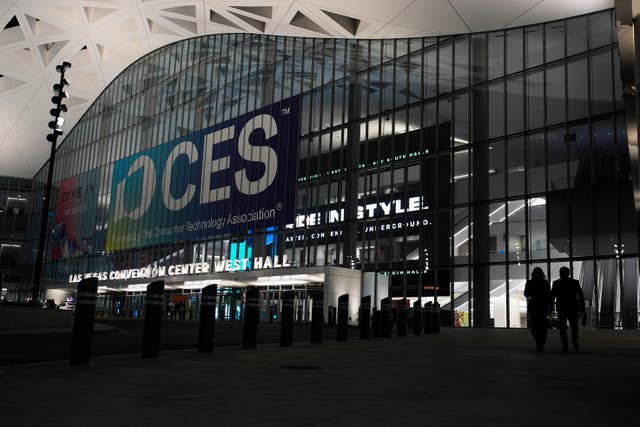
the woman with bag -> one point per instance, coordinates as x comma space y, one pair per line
538, 294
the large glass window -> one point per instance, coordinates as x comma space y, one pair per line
555, 86
496, 110
535, 100
601, 82
515, 105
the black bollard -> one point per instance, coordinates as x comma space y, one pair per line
286, 319
386, 323
250, 329
365, 317
435, 323
343, 317
417, 318
428, 317
153, 319
375, 323
317, 317
402, 318
206, 332
84, 317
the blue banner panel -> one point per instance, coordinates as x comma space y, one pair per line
228, 178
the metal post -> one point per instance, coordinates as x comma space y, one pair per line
44, 216
153, 320
84, 318
365, 317
207, 327
286, 319
343, 318
250, 329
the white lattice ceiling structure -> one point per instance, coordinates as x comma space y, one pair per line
101, 37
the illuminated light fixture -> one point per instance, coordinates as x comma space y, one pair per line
57, 125
466, 175
9, 245
536, 201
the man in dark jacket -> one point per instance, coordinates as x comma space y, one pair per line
569, 302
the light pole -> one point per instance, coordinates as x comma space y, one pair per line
56, 125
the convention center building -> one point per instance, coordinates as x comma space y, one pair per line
439, 169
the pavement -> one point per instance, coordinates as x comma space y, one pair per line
459, 377
114, 336
16, 320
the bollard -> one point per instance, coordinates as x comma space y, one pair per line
84, 317
286, 319
386, 324
343, 317
206, 332
153, 320
317, 317
417, 318
375, 323
250, 329
365, 317
428, 317
402, 318
435, 322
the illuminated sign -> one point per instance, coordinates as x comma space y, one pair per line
366, 211
228, 178
152, 272
259, 263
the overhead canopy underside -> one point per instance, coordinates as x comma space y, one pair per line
102, 37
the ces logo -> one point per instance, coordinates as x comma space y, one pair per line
200, 157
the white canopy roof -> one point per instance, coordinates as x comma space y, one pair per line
101, 37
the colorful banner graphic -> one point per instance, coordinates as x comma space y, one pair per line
75, 218
231, 177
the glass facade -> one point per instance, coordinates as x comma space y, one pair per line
15, 196
442, 167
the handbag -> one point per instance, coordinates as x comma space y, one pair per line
552, 320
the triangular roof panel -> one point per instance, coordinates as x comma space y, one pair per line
264, 11
189, 11
301, 20
40, 28
48, 51
216, 18
95, 14
255, 23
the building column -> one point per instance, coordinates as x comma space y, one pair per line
351, 162
480, 188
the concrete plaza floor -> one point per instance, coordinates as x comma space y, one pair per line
460, 377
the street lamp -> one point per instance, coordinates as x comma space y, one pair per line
56, 125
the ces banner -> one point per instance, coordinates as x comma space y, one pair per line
231, 177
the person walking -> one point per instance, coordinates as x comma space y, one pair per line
569, 302
538, 294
